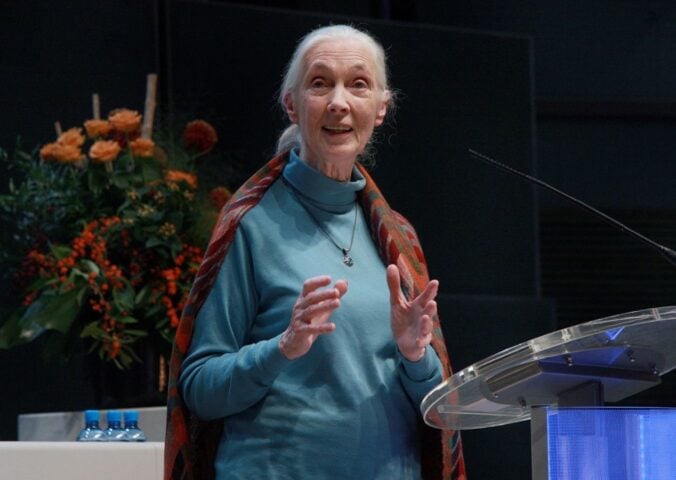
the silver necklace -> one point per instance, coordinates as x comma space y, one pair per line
347, 259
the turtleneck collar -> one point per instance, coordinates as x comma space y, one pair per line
317, 189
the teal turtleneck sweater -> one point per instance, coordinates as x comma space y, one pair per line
349, 408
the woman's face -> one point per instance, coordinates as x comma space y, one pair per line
336, 105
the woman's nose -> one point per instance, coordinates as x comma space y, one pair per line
338, 101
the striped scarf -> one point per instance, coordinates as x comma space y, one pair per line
190, 444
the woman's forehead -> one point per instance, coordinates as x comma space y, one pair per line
344, 52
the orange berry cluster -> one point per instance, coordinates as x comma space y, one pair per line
177, 281
121, 263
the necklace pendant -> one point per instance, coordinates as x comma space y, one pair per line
347, 260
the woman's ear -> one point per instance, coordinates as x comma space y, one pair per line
290, 106
382, 108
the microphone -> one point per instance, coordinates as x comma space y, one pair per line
666, 252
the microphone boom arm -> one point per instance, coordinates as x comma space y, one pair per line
668, 253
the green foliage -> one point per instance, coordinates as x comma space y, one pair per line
105, 250
41, 203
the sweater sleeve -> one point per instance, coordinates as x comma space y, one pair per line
222, 373
420, 377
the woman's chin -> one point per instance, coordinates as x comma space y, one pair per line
341, 154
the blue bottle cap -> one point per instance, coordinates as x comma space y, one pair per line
113, 416
91, 416
130, 416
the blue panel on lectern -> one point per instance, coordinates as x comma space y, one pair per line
612, 443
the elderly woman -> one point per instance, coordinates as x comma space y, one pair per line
311, 335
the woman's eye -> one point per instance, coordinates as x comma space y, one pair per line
318, 83
360, 84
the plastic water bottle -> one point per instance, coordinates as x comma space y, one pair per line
91, 431
115, 432
134, 433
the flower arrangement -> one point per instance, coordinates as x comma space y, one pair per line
109, 228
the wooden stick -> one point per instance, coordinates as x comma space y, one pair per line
57, 127
162, 380
149, 113
96, 106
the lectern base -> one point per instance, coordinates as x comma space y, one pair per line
603, 443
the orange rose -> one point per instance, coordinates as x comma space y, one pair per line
177, 176
142, 147
72, 136
61, 153
219, 196
69, 154
97, 128
200, 136
48, 152
124, 120
104, 151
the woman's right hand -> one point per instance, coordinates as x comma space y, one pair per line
310, 315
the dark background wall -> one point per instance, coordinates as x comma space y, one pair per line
55, 55
579, 93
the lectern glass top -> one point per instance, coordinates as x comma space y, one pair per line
625, 353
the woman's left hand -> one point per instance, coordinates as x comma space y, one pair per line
411, 321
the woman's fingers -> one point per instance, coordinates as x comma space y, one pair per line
310, 315
426, 326
317, 303
430, 309
396, 295
411, 321
311, 293
318, 310
341, 286
393, 283
312, 284
316, 297
429, 293
315, 328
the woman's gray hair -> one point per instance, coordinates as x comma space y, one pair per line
290, 137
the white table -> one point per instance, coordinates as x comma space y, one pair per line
77, 460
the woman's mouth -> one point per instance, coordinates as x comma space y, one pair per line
337, 129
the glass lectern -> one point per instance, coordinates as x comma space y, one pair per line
579, 368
